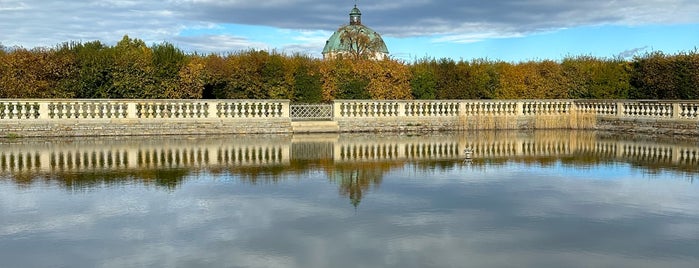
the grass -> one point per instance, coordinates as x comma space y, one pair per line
482, 122
573, 119
12, 136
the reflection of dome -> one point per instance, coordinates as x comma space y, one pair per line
367, 42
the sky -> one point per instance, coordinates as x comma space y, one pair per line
508, 30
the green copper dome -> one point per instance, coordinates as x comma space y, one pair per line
335, 45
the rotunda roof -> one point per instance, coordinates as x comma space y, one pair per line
335, 44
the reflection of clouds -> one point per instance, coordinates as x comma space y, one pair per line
519, 217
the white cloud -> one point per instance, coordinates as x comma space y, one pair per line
46, 23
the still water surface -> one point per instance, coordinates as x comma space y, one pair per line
534, 199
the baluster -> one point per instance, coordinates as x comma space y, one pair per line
254, 111
152, 110
149, 110
79, 110
105, 110
228, 109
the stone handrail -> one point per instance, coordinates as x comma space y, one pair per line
56, 109
108, 109
456, 108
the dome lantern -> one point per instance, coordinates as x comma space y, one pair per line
355, 16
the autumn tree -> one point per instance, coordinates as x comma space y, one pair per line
660, 76
592, 78
36, 73
133, 75
388, 79
532, 80
359, 44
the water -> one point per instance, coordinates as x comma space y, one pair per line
538, 199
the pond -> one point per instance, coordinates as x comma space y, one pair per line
522, 199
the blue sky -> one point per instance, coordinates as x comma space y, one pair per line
510, 30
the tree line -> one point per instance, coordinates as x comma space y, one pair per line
132, 69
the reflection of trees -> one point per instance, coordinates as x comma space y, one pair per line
356, 179
355, 163
168, 179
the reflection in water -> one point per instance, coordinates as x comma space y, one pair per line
349, 159
526, 199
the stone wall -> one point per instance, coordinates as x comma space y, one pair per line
82, 128
654, 127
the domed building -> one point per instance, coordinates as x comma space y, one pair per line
355, 41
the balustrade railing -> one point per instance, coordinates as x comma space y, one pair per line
252, 109
432, 108
62, 109
546, 107
491, 108
689, 110
104, 109
367, 108
647, 109
597, 107
19, 109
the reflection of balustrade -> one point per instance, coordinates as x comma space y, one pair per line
654, 153
124, 154
121, 154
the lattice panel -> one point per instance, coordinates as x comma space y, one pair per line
311, 112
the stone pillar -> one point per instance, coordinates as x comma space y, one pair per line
519, 108
336, 109
676, 110
131, 111
44, 110
619, 109
400, 110
212, 109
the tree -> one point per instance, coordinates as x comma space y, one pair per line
388, 79
593, 78
423, 84
359, 44
36, 73
307, 80
134, 72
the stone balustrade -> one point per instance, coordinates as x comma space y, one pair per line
107, 117
455, 108
47, 109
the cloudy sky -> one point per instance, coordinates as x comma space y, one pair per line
512, 30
